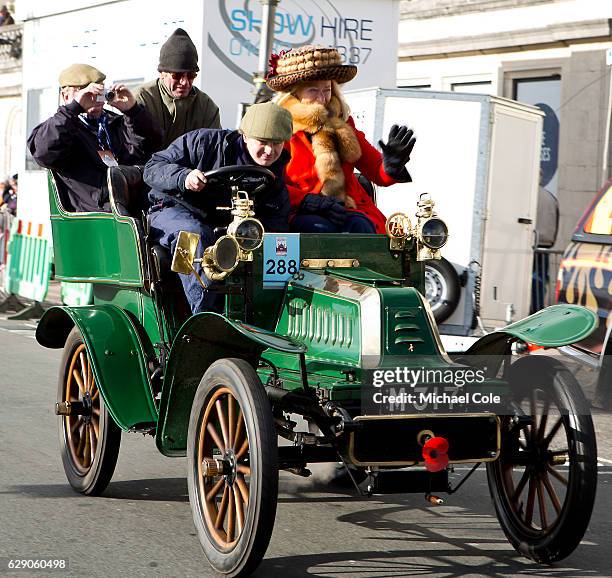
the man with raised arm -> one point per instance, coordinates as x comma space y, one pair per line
82, 139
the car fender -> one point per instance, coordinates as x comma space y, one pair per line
117, 353
202, 340
553, 326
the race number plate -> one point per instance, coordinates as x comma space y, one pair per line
281, 258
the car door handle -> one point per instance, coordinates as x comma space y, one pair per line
525, 221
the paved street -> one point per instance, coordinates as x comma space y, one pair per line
142, 525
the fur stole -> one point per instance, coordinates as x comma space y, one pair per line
333, 141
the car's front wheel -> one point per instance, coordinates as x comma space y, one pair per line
232, 470
543, 484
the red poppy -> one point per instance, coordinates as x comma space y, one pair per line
435, 454
273, 62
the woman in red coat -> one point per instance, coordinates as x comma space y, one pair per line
325, 148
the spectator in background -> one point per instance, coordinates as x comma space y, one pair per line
9, 195
5, 16
176, 105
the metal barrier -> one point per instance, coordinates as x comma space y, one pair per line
8, 302
544, 279
28, 265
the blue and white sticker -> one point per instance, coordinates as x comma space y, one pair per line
281, 258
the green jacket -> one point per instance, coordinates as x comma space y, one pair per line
177, 116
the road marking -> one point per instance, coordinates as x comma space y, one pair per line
23, 332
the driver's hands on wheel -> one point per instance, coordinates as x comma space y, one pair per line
195, 181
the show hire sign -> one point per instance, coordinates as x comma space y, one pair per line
363, 31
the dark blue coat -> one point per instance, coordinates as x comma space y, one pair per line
208, 149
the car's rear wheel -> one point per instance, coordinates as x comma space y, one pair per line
232, 467
90, 441
543, 484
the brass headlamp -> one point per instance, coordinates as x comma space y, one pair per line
244, 235
430, 232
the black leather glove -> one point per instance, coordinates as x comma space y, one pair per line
396, 153
327, 207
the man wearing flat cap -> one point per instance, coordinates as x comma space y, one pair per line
82, 139
183, 201
175, 104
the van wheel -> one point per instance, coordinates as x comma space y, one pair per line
543, 483
442, 288
89, 443
232, 467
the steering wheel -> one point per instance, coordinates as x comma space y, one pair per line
251, 178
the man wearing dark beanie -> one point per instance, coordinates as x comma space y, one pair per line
175, 104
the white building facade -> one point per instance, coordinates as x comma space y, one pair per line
550, 53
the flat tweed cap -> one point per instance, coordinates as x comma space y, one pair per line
267, 121
307, 63
80, 75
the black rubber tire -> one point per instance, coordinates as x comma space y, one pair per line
442, 288
244, 554
91, 477
546, 541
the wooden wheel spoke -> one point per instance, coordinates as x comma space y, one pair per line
530, 501
83, 360
81, 445
244, 489
553, 431
231, 515
95, 422
214, 435
77, 377
534, 403
223, 423
541, 503
239, 430
542, 426
96, 394
86, 446
551, 492
75, 425
555, 474
244, 470
212, 493
95, 411
521, 485
222, 508
244, 448
239, 511
231, 417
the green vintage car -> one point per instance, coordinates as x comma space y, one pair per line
311, 327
